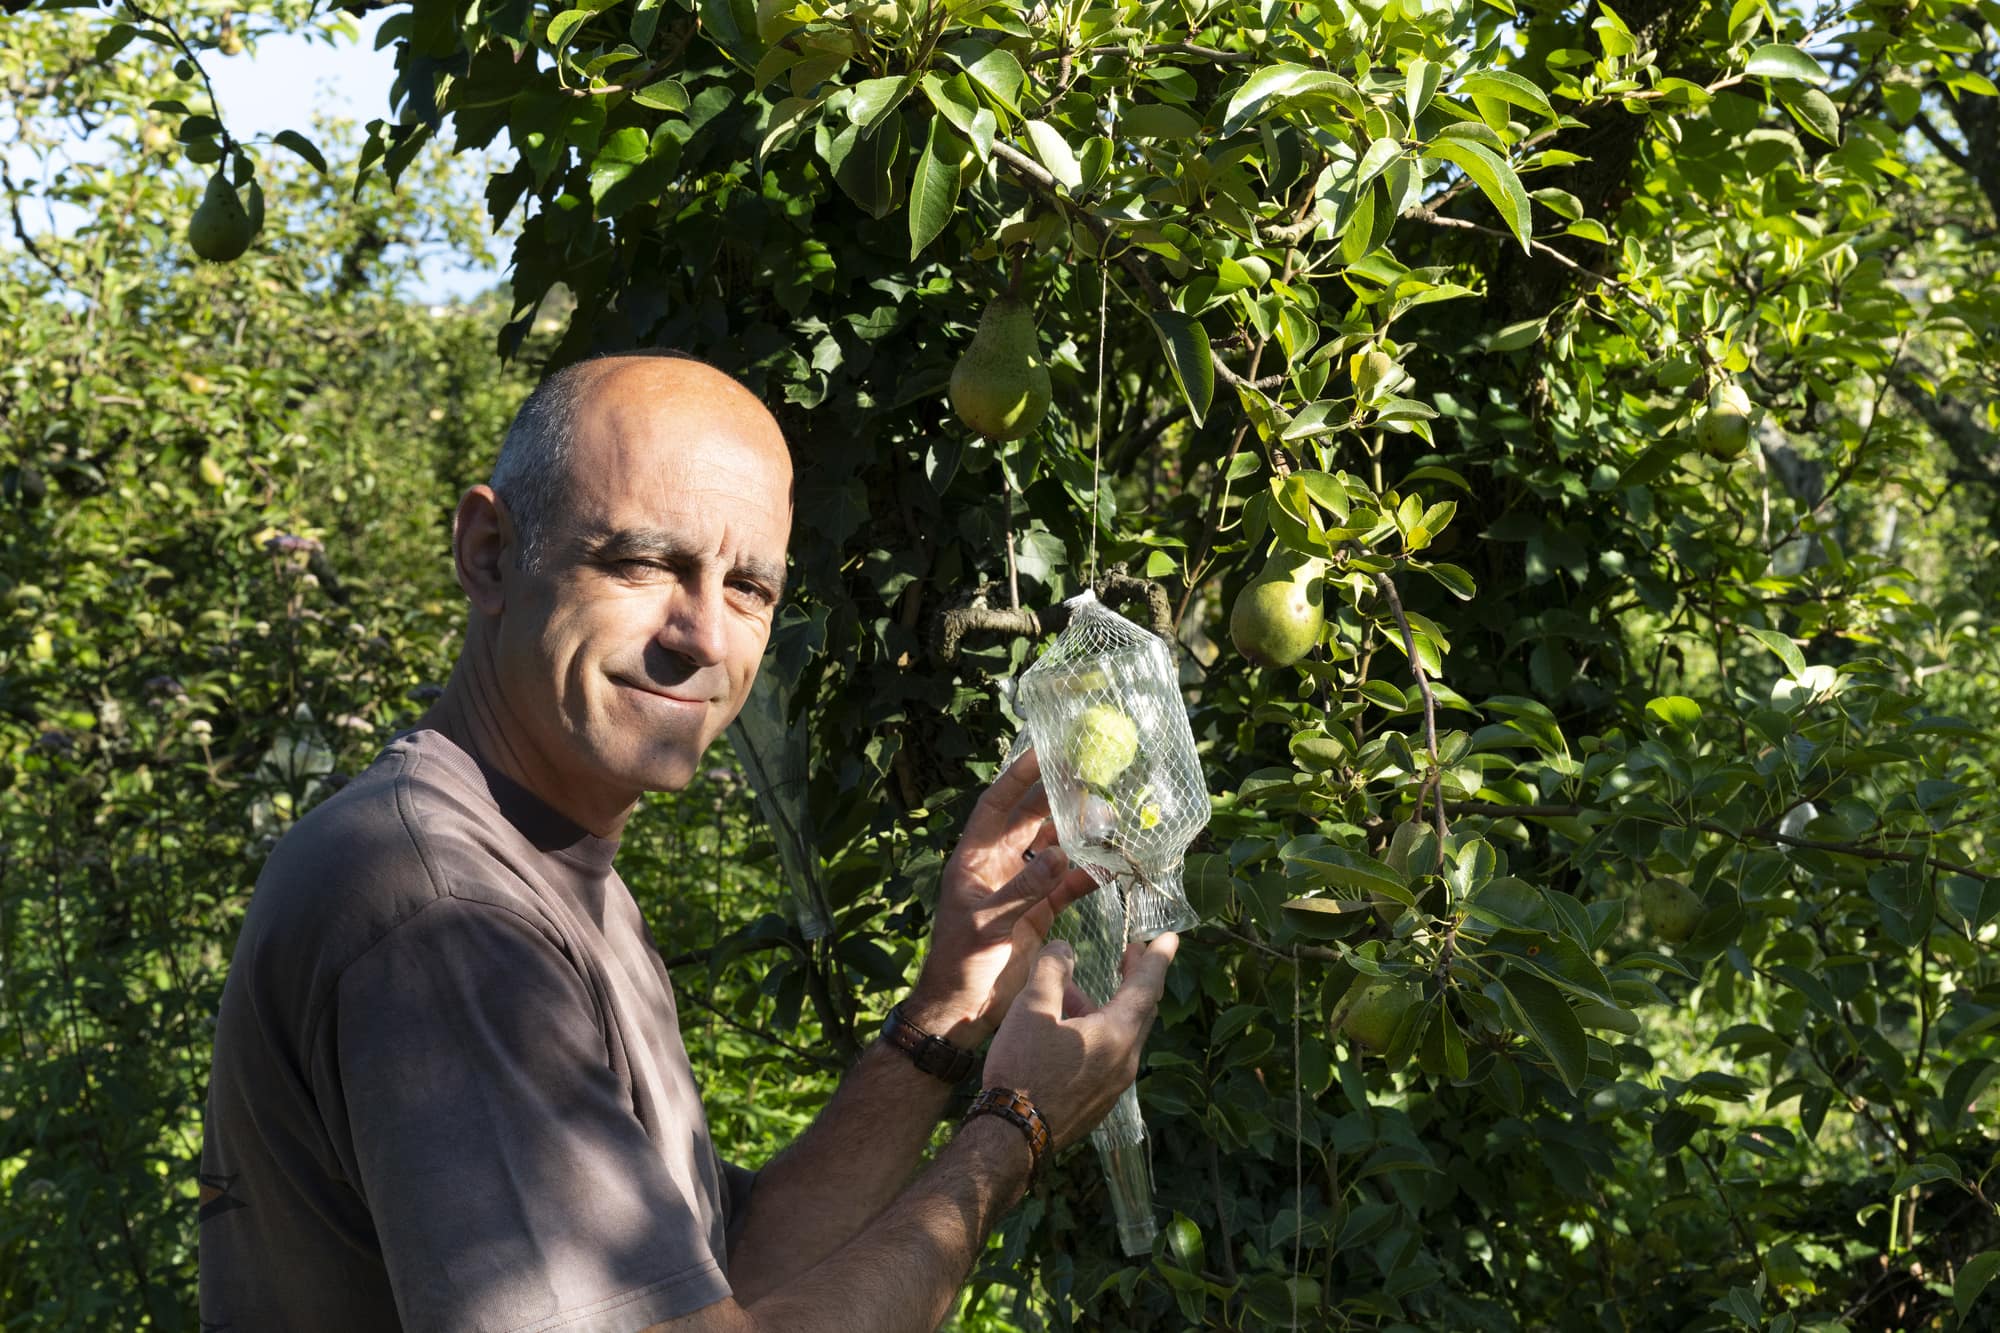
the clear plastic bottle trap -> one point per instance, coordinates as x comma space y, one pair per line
1103, 709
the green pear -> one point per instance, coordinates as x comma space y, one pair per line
1101, 744
1724, 428
1671, 909
1000, 388
220, 229
1370, 1021
1278, 617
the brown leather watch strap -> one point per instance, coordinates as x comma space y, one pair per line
934, 1055
1014, 1106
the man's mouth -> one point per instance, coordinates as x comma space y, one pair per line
686, 700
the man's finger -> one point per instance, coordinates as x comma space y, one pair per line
1076, 884
1145, 979
1049, 877
1046, 982
1075, 1003
1045, 836
990, 816
1024, 823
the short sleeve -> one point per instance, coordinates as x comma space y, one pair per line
510, 1184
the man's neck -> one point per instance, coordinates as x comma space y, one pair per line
472, 715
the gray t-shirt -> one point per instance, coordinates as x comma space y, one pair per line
449, 1089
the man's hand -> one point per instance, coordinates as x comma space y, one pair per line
994, 909
1074, 1061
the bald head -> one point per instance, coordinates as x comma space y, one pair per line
582, 421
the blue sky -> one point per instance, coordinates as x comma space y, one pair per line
287, 81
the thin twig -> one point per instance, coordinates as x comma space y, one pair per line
1434, 784
21, 228
1037, 178
1762, 832
1209, 53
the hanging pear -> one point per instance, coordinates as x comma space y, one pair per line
1000, 388
1279, 615
220, 229
1724, 428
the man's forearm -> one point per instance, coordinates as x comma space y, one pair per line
904, 1271
845, 1169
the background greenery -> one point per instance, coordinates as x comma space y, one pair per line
1434, 291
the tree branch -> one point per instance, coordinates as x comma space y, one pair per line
1763, 832
1950, 151
21, 228
1114, 589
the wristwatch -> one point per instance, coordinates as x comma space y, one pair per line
934, 1055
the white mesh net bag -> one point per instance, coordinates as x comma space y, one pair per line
1103, 709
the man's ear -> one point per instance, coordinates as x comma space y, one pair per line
482, 543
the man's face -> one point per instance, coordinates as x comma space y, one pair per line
634, 645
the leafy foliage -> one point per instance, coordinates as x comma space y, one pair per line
1438, 293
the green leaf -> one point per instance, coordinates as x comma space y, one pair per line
1931, 1168
1973, 1277
1516, 336
615, 160
645, 22
1271, 87
1674, 710
876, 98
1593, 1014
1673, 1129
115, 39
787, 119
934, 187
1054, 152
1808, 985
1551, 1024
1341, 868
303, 146
1495, 179
1420, 84
1815, 111
563, 25
1781, 644
666, 95
1156, 120
1184, 1241
1509, 87
1456, 580
1376, 160
1185, 342
991, 68
1781, 61
731, 25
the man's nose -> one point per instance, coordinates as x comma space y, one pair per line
693, 628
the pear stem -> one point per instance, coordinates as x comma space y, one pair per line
1007, 526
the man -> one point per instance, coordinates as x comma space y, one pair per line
449, 1091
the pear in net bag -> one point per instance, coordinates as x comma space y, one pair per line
1103, 710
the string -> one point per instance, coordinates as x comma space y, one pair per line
1097, 423
1298, 1141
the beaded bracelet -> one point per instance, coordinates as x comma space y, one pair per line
1013, 1106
